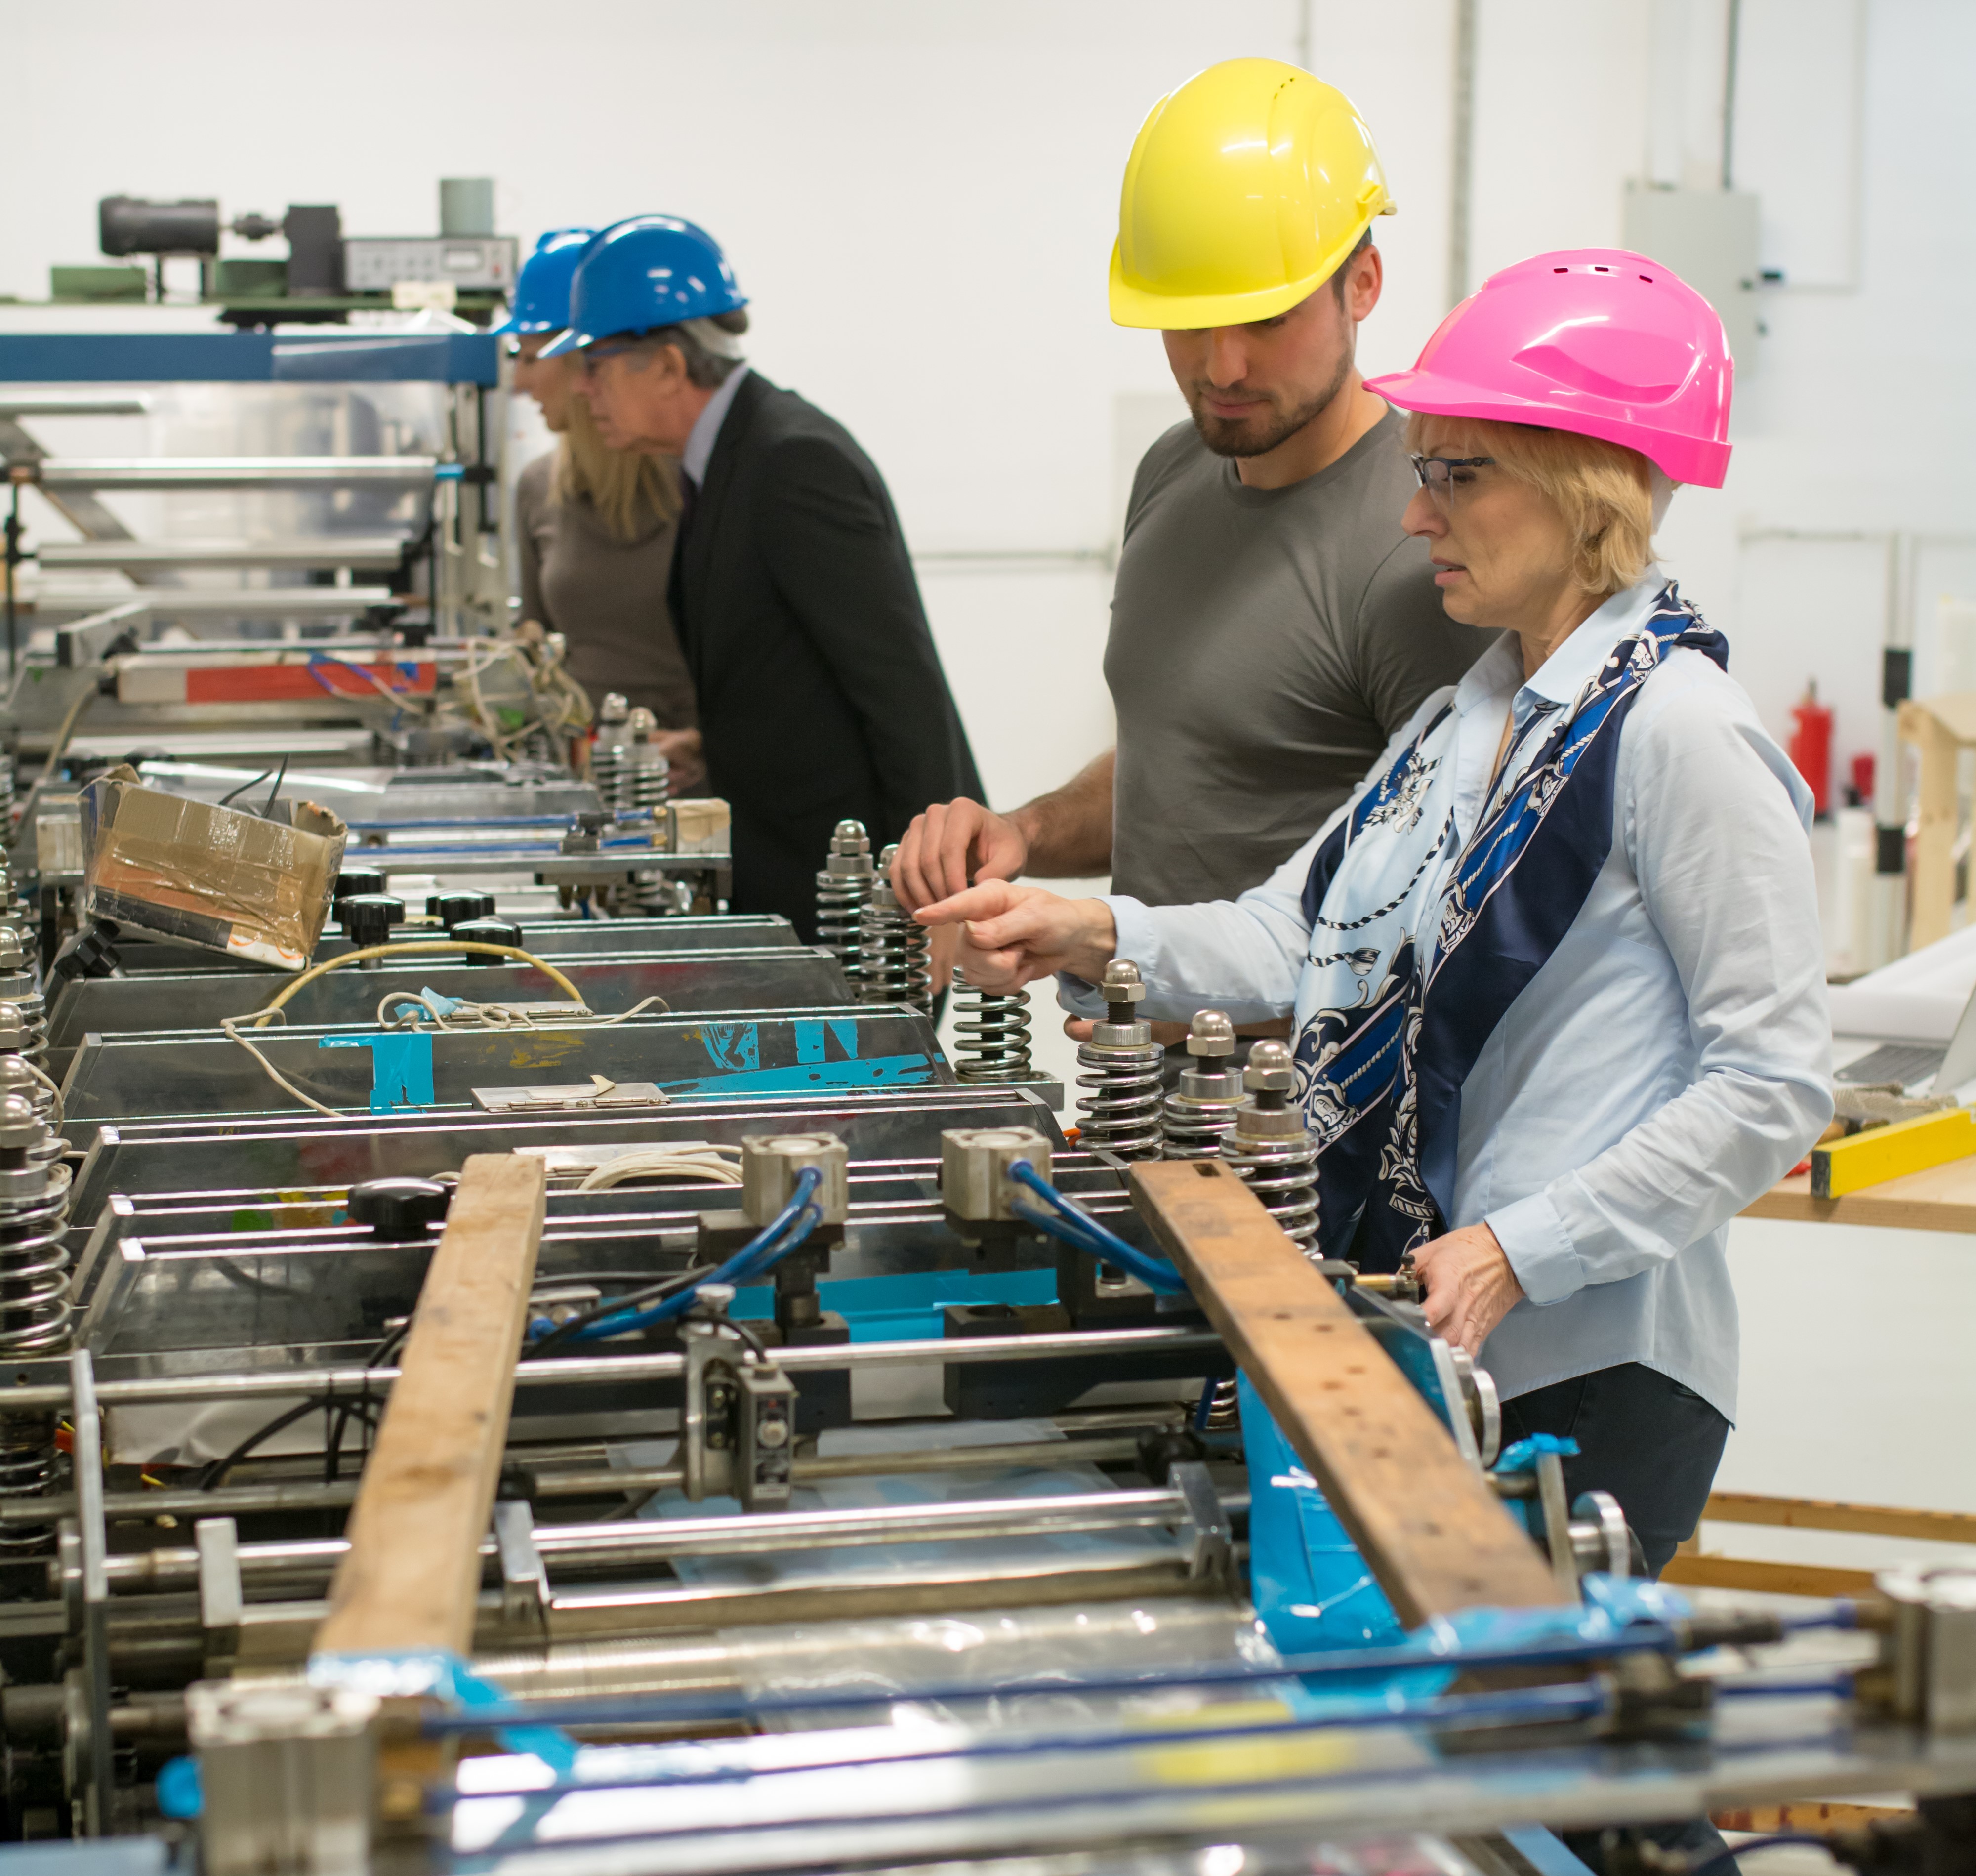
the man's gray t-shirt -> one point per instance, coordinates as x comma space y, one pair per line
1265, 643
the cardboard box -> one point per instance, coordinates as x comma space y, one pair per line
189, 873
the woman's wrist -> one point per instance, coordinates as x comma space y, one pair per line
1097, 940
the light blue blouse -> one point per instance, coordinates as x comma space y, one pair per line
1670, 1062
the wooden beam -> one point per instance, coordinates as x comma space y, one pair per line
1435, 1536
1808, 1814
1941, 1199
1937, 811
1884, 1521
1704, 1571
411, 1577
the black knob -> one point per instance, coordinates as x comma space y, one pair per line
487, 932
367, 879
455, 909
368, 918
592, 820
399, 1208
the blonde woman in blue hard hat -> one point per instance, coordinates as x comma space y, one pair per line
1272, 624
596, 525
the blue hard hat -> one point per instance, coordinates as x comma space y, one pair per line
643, 273
541, 293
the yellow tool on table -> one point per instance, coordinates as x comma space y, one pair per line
1882, 1153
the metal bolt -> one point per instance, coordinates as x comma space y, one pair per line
1211, 1033
1270, 1070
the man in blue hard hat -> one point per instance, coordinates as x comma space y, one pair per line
822, 697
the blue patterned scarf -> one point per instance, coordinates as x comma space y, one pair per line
1379, 1072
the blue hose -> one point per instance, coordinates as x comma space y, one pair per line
760, 1253
1070, 1224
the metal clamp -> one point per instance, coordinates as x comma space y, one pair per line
1206, 1531
221, 1599
525, 1580
737, 1426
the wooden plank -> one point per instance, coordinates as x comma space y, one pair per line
411, 1577
1771, 1579
1937, 812
1751, 1508
1943, 1198
1807, 1814
1433, 1534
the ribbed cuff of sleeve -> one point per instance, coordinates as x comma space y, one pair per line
1538, 1247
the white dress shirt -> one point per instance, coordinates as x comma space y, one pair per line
1670, 1062
705, 431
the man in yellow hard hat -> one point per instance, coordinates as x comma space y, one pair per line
1272, 623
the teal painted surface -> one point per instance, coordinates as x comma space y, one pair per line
906, 1308
875, 1071
401, 1067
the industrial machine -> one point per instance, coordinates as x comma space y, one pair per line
326, 274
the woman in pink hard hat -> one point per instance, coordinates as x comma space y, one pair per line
1555, 967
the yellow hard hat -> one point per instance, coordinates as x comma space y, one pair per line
1246, 189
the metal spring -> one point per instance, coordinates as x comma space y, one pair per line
645, 781
1283, 1174
1194, 1128
37, 1318
1224, 1407
840, 907
893, 963
992, 1033
659, 897
34, 1010
36, 1307
607, 766
1120, 1113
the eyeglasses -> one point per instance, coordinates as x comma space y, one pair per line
592, 357
1441, 475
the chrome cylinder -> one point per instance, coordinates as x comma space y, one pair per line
644, 777
606, 753
991, 1033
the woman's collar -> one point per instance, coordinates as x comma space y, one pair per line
1576, 662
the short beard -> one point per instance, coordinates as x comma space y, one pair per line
1240, 437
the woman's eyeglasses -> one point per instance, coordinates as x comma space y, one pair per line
1441, 475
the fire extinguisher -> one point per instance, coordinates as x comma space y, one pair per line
1810, 747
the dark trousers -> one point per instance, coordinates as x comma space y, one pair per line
1652, 1443
1654, 1446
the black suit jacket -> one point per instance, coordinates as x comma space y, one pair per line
821, 698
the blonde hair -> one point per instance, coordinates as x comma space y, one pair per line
1603, 490
631, 493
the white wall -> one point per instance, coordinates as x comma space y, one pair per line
920, 201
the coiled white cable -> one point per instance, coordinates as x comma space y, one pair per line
685, 1159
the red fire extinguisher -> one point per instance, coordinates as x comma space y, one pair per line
1810, 747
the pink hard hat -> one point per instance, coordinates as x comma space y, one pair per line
1593, 340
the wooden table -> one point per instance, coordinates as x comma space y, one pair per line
1941, 1199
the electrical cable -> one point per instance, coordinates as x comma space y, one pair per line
710, 1164
1070, 1224
57, 749
250, 781
404, 947
59, 1112
219, 1469
787, 1230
